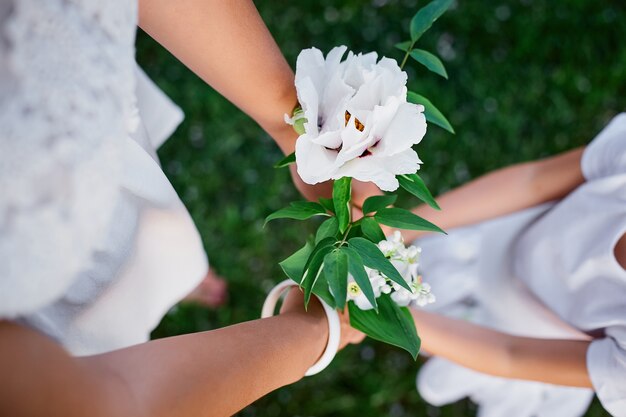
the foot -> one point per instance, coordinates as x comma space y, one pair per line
211, 292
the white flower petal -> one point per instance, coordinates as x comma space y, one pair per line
362, 302
314, 163
382, 116
309, 100
401, 297
357, 68
407, 128
330, 140
394, 79
310, 64
335, 101
367, 96
406, 162
333, 59
354, 142
368, 169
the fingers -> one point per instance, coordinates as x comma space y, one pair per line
362, 190
349, 335
356, 214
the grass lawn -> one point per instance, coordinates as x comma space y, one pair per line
528, 79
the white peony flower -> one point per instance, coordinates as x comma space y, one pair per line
359, 123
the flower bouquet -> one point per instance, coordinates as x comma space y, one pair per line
356, 120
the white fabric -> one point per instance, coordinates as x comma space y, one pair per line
95, 245
549, 271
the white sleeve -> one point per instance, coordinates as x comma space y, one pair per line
63, 111
158, 112
606, 364
606, 154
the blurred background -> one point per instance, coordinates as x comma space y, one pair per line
528, 79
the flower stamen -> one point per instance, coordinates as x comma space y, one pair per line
357, 123
353, 289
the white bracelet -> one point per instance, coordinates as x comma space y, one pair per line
334, 327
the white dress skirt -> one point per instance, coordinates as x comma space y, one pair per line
546, 272
95, 245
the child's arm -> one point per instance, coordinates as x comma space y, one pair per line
553, 361
214, 373
505, 191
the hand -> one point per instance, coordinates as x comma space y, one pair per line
294, 302
363, 190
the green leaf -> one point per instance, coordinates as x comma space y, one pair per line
308, 205
341, 200
293, 266
426, 16
376, 202
301, 210
404, 219
329, 228
313, 270
431, 112
320, 288
392, 324
355, 231
404, 46
327, 203
372, 230
286, 161
414, 184
357, 270
374, 258
326, 242
430, 61
336, 273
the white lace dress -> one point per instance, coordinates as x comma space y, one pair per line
547, 272
95, 245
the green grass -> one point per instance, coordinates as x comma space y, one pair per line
528, 79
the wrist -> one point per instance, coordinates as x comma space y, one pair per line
308, 324
313, 319
284, 136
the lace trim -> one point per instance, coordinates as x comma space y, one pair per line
66, 106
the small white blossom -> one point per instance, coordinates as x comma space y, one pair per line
401, 297
396, 238
387, 248
405, 260
423, 295
356, 294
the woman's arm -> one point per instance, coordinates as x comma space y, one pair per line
212, 373
227, 44
505, 191
553, 361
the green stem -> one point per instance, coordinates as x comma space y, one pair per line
406, 55
345, 236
